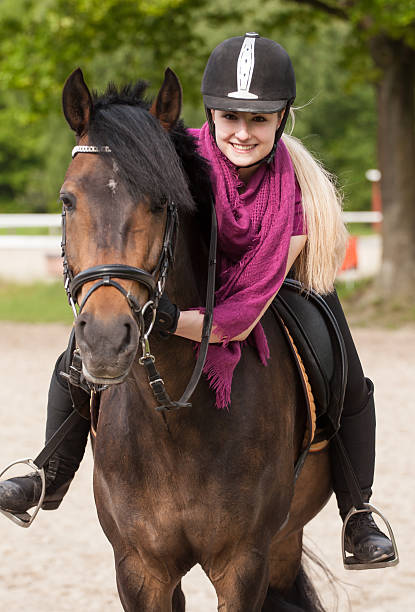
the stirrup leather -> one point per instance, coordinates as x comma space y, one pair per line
350, 562
25, 519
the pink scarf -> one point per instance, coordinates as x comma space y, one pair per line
254, 232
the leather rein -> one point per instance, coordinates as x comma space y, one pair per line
155, 283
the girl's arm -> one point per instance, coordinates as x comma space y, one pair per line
190, 323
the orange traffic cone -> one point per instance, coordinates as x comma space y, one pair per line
350, 259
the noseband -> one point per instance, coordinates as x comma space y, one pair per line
155, 283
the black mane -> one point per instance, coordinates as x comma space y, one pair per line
152, 163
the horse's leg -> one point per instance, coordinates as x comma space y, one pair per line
141, 590
285, 562
290, 589
242, 583
312, 490
179, 601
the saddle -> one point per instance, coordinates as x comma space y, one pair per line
318, 348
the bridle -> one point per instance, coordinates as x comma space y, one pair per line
155, 283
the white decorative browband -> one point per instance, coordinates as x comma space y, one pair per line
90, 149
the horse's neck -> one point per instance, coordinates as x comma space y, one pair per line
187, 280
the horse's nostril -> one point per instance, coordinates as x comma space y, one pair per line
128, 328
80, 327
127, 333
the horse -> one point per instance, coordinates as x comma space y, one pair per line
195, 485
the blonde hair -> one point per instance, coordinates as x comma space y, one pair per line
323, 253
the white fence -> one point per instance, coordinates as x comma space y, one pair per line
24, 258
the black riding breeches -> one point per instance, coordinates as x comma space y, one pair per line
65, 461
358, 422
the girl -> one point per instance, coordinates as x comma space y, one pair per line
273, 203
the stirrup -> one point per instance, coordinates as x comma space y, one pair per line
25, 519
350, 562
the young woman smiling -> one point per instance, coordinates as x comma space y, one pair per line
277, 210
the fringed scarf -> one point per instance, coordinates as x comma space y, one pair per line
254, 231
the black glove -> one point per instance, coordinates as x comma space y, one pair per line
167, 316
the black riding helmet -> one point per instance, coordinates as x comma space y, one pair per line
249, 74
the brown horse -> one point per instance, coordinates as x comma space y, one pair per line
194, 485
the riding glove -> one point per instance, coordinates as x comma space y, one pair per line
167, 316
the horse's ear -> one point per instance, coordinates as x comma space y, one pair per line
77, 102
168, 103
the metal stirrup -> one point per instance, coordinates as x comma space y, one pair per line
25, 519
350, 562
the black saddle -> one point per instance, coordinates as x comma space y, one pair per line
319, 341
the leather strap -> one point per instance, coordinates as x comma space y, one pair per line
58, 437
306, 442
349, 473
113, 270
155, 380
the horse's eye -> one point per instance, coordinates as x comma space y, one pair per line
158, 207
68, 200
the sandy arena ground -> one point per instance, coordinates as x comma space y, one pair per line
64, 563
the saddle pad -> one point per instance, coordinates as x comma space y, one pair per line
308, 393
316, 334
310, 442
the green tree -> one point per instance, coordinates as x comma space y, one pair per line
381, 48
41, 43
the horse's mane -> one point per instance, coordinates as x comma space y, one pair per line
149, 160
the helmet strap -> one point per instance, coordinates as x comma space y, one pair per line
267, 159
210, 121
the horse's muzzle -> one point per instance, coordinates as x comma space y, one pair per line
108, 347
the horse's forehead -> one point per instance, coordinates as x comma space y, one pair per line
103, 201
86, 170
89, 176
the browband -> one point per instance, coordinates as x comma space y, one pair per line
90, 149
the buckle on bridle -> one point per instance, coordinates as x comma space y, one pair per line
158, 381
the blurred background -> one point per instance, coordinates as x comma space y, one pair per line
355, 68
355, 111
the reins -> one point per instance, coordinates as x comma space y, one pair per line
148, 361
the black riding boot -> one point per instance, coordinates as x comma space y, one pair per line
19, 494
363, 539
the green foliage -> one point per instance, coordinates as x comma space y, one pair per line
396, 18
336, 119
35, 303
42, 42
